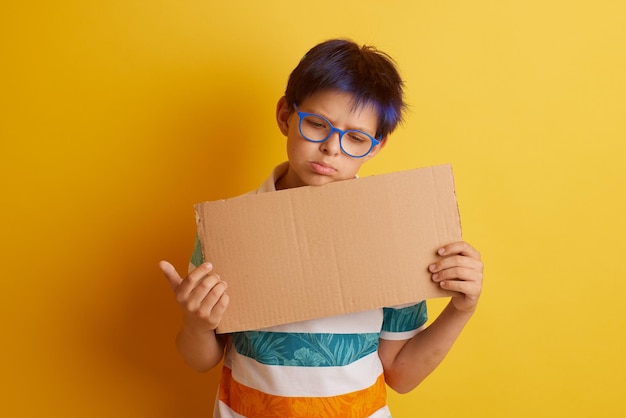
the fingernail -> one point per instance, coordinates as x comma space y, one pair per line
435, 276
441, 251
432, 267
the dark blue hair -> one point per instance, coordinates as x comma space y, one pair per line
366, 73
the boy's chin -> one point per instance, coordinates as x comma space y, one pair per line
322, 180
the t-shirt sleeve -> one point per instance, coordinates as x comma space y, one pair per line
196, 256
402, 323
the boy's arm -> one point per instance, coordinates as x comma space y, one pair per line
406, 363
203, 300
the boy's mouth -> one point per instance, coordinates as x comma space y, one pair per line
321, 168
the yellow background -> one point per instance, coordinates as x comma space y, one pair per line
117, 116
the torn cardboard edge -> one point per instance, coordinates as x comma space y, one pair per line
319, 251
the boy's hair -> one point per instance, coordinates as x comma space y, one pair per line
366, 73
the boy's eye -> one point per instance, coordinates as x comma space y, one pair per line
316, 123
357, 137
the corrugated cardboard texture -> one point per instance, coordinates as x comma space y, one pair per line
345, 247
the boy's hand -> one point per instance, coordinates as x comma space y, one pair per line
460, 270
201, 295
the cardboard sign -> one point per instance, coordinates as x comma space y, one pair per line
345, 247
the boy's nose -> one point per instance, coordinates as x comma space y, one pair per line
331, 146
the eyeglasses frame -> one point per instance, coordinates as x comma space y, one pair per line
374, 142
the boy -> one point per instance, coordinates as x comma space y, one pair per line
341, 103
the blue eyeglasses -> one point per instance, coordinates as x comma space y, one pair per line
354, 143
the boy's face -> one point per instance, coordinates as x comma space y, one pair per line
315, 163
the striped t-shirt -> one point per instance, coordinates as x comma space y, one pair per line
325, 367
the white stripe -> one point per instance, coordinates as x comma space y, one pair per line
222, 410
383, 412
296, 381
400, 336
355, 323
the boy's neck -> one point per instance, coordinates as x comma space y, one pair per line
279, 183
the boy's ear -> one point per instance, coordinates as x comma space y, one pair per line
283, 111
378, 148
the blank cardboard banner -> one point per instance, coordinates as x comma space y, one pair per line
345, 247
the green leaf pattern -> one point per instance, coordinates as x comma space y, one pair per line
197, 258
405, 319
304, 349
324, 349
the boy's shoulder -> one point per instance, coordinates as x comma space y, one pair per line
269, 185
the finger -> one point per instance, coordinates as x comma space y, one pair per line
171, 274
206, 292
455, 261
469, 289
458, 273
460, 247
218, 309
192, 280
213, 306
221, 306
200, 272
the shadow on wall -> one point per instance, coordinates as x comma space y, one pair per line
143, 342
135, 337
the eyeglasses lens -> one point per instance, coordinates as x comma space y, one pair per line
316, 129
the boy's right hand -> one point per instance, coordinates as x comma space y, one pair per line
201, 296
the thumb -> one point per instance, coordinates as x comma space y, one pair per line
170, 272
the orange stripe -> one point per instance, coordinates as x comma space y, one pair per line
253, 403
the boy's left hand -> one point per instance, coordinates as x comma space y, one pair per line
461, 270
